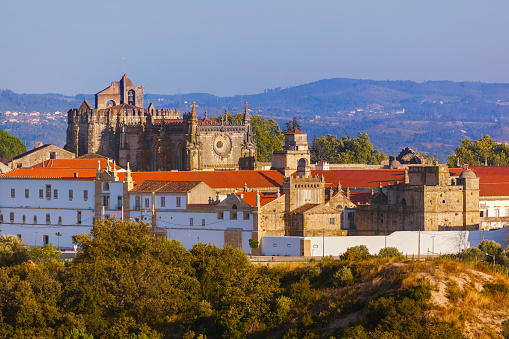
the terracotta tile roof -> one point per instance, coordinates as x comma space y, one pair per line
361, 178
486, 174
165, 186
76, 163
215, 179
496, 189
304, 208
51, 173
360, 197
126, 106
265, 197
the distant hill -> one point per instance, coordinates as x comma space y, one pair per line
431, 117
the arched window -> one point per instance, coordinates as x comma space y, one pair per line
301, 167
403, 202
130, 97
110, 103
35, 219
234, 207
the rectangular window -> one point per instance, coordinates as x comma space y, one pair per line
27, 193
35, 220
71, 195
481, 213
203, 222
233, 215
85, 195
1, 218
147, 203
120, 204
163, 202
190, 221
41, 194
332, 221
53, 155
246, 215
24, 218
48, 192
220, 215
497, 212
178, 201
59, 220
45, 240
106, 201
78, 218
48, 218
13, 193
137, 204
11, 217
55, 194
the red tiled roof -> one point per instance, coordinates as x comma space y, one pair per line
165, 186
496, 189
295, 131
486, 174
215, 179
76, 163
265, 197
51, 173
360, 197
361, 178
304, 208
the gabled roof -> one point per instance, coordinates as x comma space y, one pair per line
166, 186
265, 197
92, 156
360, 197
19, 156
295, 131
314, 208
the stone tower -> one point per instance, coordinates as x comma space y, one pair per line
295, 156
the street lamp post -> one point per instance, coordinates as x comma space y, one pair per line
433, 244
58, 234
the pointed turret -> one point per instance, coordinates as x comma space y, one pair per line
193, 112
247, 117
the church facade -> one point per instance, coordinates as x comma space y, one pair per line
151, 139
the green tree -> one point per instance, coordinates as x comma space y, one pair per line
480, 151
345, 150
238, 292
292, 125
124, 281
10, 146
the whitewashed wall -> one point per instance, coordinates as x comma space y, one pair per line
407, 242
33, 235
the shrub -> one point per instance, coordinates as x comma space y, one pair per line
283, 306
204, 309
390, 252
421, 292
496, 288
343, 277
314, 272
491, 248
473, 254
355, 253
12, 251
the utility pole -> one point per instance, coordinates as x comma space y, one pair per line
419, 245
323, 242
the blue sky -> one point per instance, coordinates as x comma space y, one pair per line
240, 47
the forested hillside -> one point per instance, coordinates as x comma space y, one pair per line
431, 117
125, 283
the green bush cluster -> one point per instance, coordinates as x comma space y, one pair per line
356, 253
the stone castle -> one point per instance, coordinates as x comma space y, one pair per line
151, 139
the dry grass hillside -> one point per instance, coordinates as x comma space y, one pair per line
393, 298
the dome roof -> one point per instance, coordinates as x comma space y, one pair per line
395, 164
467, 174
